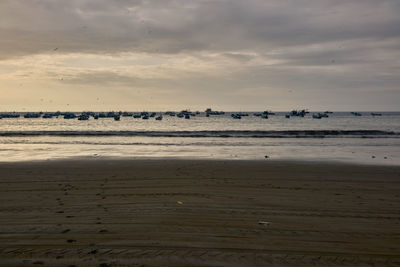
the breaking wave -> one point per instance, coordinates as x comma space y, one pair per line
217, 134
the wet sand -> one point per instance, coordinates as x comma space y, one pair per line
198, 213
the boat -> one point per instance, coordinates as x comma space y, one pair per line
320, 115
317, 116
10, 115
376, 114
356, 113
111, 115
32, 115
47, 116
117, 117
159, 118
209, 112
236, 116
170, 113
324, 115
69, 116
83, 117
298, 113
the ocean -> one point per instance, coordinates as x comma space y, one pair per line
342, 136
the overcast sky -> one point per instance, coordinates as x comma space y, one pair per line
223, 54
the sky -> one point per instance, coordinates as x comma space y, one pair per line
181, 54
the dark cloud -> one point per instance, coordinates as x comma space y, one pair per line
180, 25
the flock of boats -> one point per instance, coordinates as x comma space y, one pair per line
159, 116
115, 115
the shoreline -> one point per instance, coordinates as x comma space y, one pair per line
306, 161
198, 213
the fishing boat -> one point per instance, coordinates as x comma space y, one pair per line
317, 116
83, 117
236, 116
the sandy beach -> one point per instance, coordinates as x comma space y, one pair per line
198, 213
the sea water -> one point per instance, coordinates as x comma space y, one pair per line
340, 137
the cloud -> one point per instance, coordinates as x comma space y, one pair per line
223, 48
182, 26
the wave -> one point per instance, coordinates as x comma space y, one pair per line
216, 134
